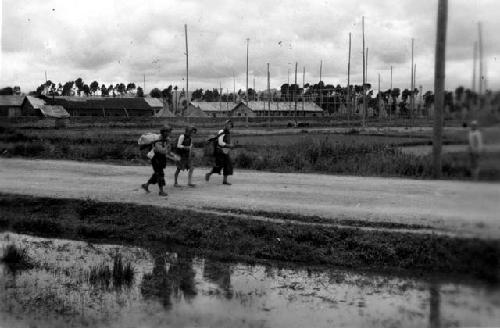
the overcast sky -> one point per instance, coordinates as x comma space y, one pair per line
120, 41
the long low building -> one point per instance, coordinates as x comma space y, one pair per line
257, 109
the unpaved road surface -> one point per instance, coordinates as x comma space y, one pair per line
463, 208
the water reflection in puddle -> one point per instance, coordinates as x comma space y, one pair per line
174, 290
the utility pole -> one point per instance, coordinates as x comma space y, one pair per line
295, 89
248, 40
187, 67
254, 92
46, 78
481, 59
349, 100
268, 97
391, 77
474, 66
320, 79
414, 84
439, 82
412, 99
220, 95
144, 84
303, 87
364, 72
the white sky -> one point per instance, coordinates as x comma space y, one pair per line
119, 41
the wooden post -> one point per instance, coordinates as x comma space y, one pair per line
296, 87
320, 89
187, 67
303, 88
439, 81
349, 100
411, 82
248, 40
268, 97
481, 61
364, 73
474, 66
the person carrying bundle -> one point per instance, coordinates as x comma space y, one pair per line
222, 148
184, 150
162, 151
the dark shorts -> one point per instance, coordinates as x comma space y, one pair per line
185, 163
159, 163
223, 162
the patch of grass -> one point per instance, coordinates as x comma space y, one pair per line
16, 257
45, 227
122, 274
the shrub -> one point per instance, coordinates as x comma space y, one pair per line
16, 257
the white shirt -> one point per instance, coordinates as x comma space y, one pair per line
475, 140
220, 140
181, 140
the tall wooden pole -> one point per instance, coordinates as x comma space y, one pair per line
320, 79
295, 89
349, 100
254, 92
144, 84
411, 83
439, 82
248, 40
391, 77
364, 73
474, 67
303, 87
414, 83
268, 97
481, 59
187, 66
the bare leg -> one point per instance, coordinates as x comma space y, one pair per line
190, 177
176, 175
224, 180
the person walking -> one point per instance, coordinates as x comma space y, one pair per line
223, 161
161, 148
184, 150
475, 149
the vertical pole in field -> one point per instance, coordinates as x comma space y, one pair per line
234, 87
481, 62
220, 96
268, 97
411, 83
248, 40
187, 67
254, 92
391, 77
295, 89
474, 66
320, 79
439, 82
303, 87
414, 87
364, 73
144, 84
349, 100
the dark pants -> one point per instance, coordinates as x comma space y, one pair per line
159, 163
222, 162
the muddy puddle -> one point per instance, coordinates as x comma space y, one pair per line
174, 290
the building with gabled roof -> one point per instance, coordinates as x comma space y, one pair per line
10, 105
304, 109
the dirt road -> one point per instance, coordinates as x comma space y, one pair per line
464, 208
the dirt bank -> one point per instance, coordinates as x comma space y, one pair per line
235, 238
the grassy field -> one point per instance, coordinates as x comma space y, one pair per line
233, 238
350, 153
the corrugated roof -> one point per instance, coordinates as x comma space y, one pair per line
137, 103
14, 100
284, 106
213, 106
154, 102
54, 111
37, 103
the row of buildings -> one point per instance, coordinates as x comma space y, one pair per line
63, 107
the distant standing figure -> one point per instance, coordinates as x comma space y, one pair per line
184, 148
222, 159
475, 149
161, 149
